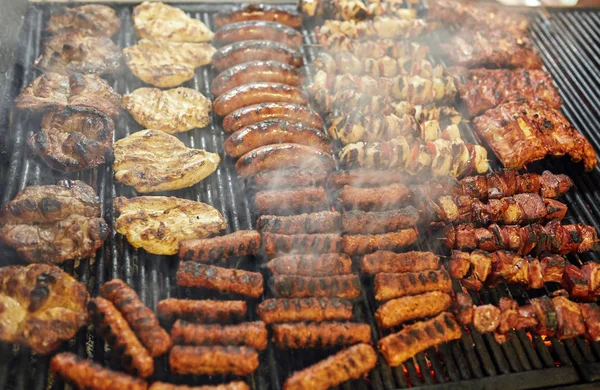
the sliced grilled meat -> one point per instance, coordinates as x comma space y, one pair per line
200, 310
304, 309
313, 223
357, 245
250, 334
201, 360
397, 311
339, 286
192, 274
310, 199
394, 285
277, 244
375, 222
240, 243
311, 265
390, 262
320, 335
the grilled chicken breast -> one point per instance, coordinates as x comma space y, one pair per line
172, 111
93, 19
158, 223
166, 64
155, 20
152, 160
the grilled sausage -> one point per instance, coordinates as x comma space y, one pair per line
258, 12
141, 319
400, 310
390, 262
192, 274
320, 335
86, 374
113, 328
289, 178
250, 334
399, 347
311, 265
309, 199
254, 93
304, 309
380, 198
339, 286
374, 222
313, 223
255, 71
258, 30
395, 285
351, 363
276, 244
275, 131
200, 310
240, 243
263, 111
366, 178
256, 50
357, 245
237, 385
201, 360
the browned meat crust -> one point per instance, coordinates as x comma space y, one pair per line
310, 199
320, 335
313, 223
250, 334
258, 12
400, 310
236, 385
304, 309
92, 91
213, 360
240, 243
200, 310
374, 222
385, 261
591, 316
394, 285
289, 178
192, 274
93, 19
339, 286
380, 198
86, 374
141, 319
357, 245
311, 265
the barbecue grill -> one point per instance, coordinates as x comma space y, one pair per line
569, 43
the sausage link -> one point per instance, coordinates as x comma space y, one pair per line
381, 198
366, 178
388, 286
276, 244
309, 199
320, 335
390, 262
258, 30
255, 11
339, 286
304, 309
192, 274
311, 265
202, 360
289, 178
142, 320
113, 328
254, 93
259, 112
400, 310
201, 310
240, 243
250, 334
313, 223
237, 385
375, 222
255, 71
255, 50
357, 245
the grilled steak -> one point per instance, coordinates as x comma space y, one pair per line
93, 19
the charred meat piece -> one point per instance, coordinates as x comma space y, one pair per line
200, 310
395, 285
553, 267
201, 360
375, 222
569, 316
397, 311
311, 265
250, 334
412, 339
591, 316
320, 335
313, 223
258, 12
139, 317
54, 223
159, 21
374, 199
112, 327
520, 133
542, 309
357, 245
92, 91
376, 48
279, 244
304, 309
236, 385
94, 20
192, 274
463, 308
390, 262
339, 286
42, 306
85, 374
351, 363
289, 178
240, 243
365, 178
486, 318
575, 281
48, 91
310, 199
73, 139
482, 89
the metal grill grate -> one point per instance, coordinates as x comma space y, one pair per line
570, 46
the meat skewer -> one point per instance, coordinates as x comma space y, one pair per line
278, 244
374, 199
397, 311
356, 245
320, 335
339, 286
192, 274
201, 360
375, 48
395, 285
240, 243
304, 309
310, 199
390, 262
250, 334
311, 265
382, 27
374, 222
200, 310
312, 223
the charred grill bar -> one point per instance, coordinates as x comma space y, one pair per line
569, 50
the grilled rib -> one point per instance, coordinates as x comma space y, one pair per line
356, 245
339, 286
277, 244
192, 274
374, 222
310, 199
313, 223
201, 360
250, 334
390, 262
311, 265
304, 309
200, 310
320, 335
240, 243
395, 285
374, 199
397, 311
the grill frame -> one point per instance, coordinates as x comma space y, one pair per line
473, 362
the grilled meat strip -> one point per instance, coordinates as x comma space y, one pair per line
520, 133
310, 199
390, 262
320, 335
276, 244
552, 237
200, 310
482, 89
240, 243
311, 265
192, 274
86, 374
412, 339
351, 363
113, 328
388, 197
397, 311
235, 385
313, 223
250, 334
304, 309
375, 222
394, 285
339, 286
289, 178
356, 245
93, 20
139, 317
202, 360
381, 27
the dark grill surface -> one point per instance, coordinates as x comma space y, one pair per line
569, 42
